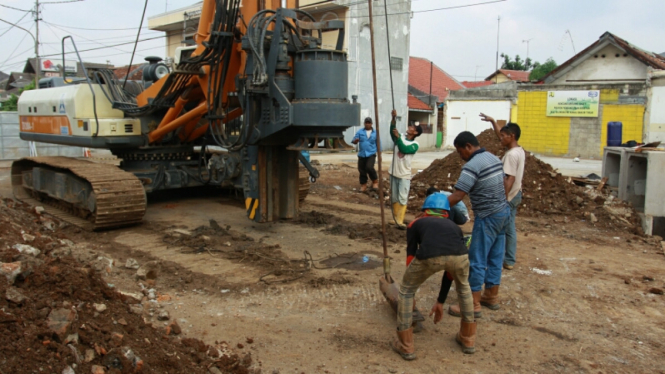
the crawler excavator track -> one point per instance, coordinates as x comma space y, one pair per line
115, 197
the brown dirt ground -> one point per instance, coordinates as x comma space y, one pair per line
54, 281
581, 298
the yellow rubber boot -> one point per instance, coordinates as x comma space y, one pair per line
399, 211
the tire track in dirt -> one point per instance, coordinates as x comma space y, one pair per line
303, 299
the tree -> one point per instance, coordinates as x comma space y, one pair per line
516, 64
11, 105
541, 70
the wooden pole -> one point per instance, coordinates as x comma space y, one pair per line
386, 259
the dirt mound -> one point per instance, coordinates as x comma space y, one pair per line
339, 226
544, 191
58, 315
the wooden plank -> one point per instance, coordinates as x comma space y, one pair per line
602, 184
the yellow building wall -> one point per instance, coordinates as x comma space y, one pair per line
609, 96
631, 118
513, 112
540, 133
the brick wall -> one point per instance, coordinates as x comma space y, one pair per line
12, 147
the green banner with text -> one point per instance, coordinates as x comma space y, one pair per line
572, 103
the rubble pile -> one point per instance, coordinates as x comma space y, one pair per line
544, 190
57, 315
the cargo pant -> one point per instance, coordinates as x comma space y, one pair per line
418, 272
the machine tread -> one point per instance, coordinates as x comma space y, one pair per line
120, 199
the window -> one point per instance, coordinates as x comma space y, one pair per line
396, 63
427, 128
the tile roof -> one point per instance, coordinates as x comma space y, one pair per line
514, 75
416, 103
135, 71
419, 77
474, 84
651, 59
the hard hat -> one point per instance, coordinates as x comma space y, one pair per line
436, 201
368, 120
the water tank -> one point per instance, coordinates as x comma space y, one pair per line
614, 134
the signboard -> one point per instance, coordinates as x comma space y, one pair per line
572, 103
56, 65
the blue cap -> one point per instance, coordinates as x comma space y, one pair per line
436, 201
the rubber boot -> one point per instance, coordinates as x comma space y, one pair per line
490, 298
363, 187
396, 213
403, 344
399, 217
375, 184
466, 337
454, 310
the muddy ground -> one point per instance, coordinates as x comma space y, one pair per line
306, 291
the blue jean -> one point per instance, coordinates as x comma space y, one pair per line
488, 245
511, 234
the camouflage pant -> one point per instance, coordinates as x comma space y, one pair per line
418, 272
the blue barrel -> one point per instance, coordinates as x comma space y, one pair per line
614, 134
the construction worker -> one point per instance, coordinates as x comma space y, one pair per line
458, 213
400, 169
513, 167
482, 179
434, 243
366, 137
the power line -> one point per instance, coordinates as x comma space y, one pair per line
62, 2
12, 54
119, 38
83, 28
12, 26
11, 7
110, 46
84, 38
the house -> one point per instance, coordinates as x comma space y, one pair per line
610, 59
429, 85
505, 75
180, 26
53, 67
614, 80
135, 71
16, 81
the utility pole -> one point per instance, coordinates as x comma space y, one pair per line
527, 50
498, 27
38, 64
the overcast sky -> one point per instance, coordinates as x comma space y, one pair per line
461, 41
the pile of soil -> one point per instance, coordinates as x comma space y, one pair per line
57, 315
544, 190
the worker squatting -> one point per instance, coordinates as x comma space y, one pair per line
436, 243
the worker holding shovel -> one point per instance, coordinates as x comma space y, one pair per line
434, 244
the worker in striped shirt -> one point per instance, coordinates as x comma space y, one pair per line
482, 179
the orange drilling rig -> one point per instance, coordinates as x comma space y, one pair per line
257, 87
